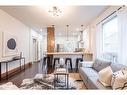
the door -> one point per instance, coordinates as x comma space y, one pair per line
35, 49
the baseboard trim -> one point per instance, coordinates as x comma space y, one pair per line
28, 65
36, 61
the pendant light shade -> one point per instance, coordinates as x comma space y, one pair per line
81, 35
67, 32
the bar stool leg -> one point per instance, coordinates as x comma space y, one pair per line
76, 65
20, 65
67, 81
54, 81
24, 63
54, 64
71, 64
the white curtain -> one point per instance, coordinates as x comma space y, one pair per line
122, 36
86, 38
99, 39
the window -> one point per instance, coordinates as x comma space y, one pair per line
110, 36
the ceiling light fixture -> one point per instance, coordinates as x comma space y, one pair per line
67, 32
55, 11
81, 34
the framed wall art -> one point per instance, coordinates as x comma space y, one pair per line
10, 45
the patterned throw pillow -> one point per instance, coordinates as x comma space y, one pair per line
119, 80
105, 76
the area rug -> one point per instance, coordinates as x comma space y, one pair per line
38, 83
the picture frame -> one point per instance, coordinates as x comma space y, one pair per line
9, 45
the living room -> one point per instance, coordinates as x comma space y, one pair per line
63, 47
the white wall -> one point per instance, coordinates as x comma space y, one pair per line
9, 24
44, 41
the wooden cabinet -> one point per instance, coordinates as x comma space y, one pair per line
50, 39
88, 56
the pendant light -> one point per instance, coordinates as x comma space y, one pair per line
67, 32
81, 35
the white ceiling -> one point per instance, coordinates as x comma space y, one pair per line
37, 17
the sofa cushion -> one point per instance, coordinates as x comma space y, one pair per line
90, 72
86, 64
93, 83
105, 76
90, 78
116, 67
100, 64
83, 75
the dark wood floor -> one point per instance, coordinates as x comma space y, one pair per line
28, 73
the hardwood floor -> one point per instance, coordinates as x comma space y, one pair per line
76, 76
32, 71
28, 73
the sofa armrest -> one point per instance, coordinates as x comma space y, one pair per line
86, 64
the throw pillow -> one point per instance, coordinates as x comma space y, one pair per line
105, 76
100, 64
119, 80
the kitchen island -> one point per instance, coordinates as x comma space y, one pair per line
72, 55
65, 53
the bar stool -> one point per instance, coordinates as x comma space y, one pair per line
77, 62
56, 60
46, 59
44, 65
68, 59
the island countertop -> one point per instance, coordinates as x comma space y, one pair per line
67, 53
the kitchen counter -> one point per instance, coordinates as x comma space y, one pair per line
72, 55
67, 53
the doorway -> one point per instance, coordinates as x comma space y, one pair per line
35, 50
